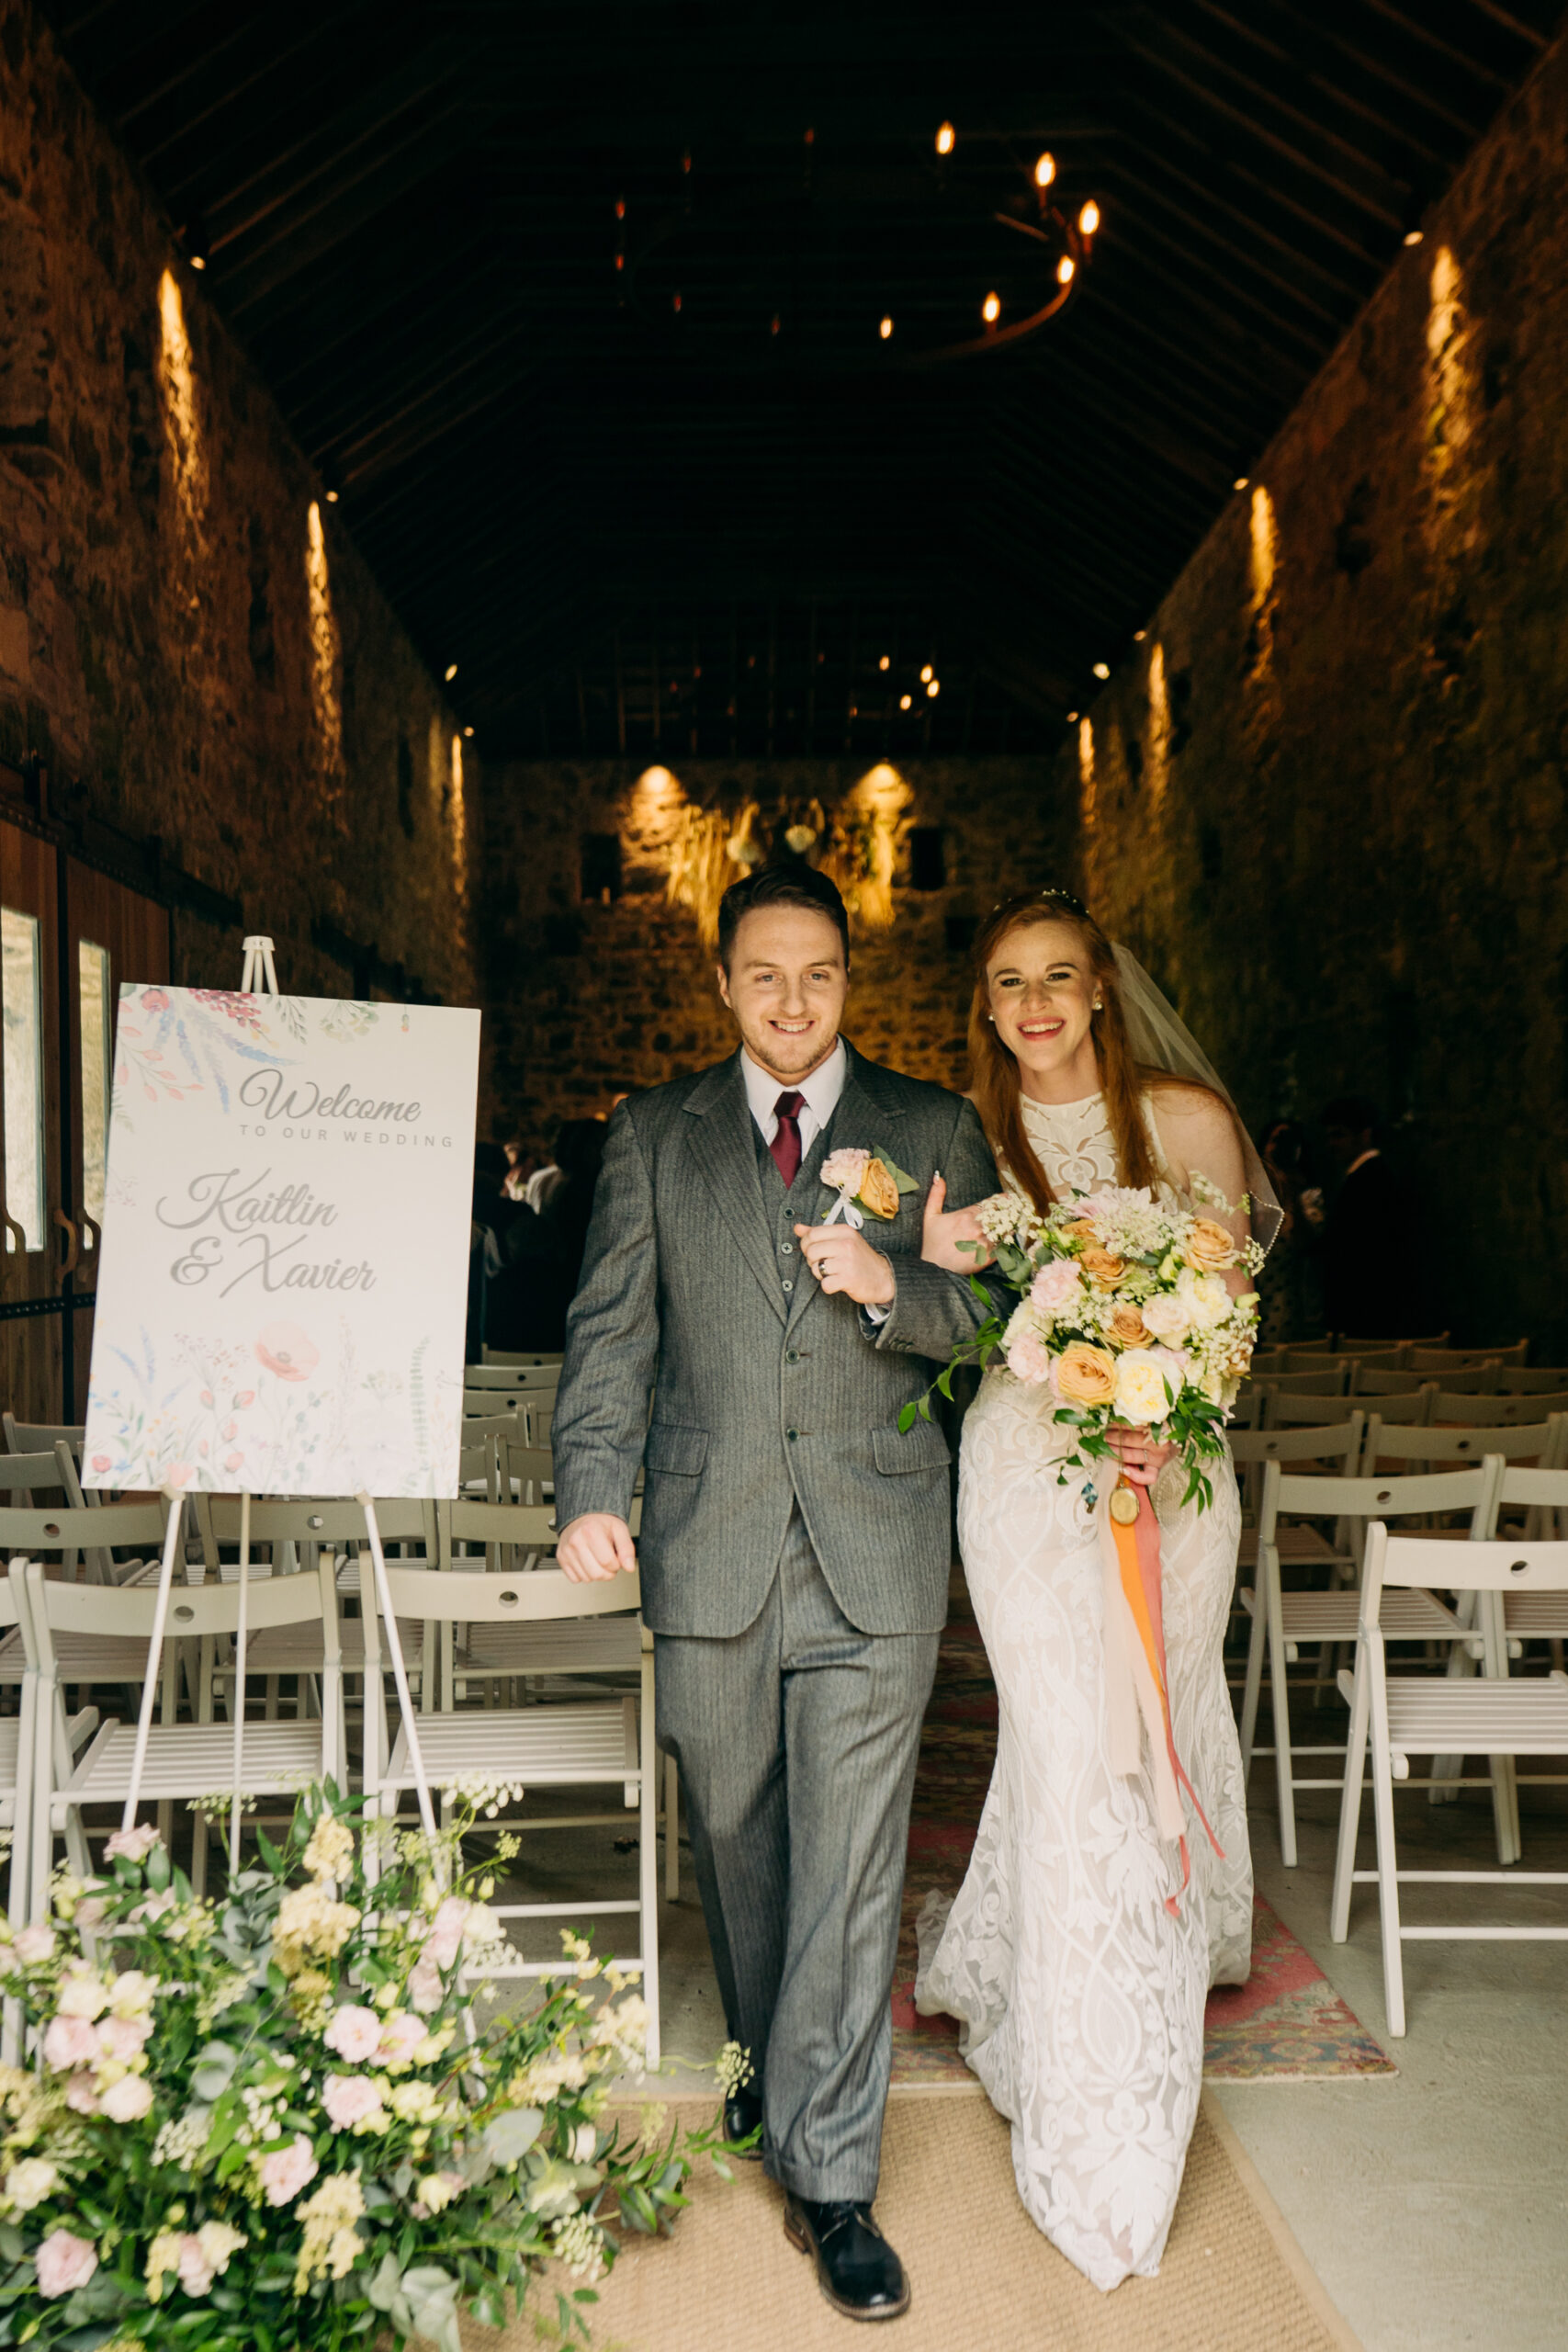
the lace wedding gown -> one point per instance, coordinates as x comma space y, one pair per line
1081, 1997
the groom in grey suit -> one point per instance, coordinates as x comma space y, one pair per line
794, 1546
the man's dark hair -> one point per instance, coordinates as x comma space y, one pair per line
780, 886
1351, 1115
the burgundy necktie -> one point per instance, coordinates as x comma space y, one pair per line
786, 1144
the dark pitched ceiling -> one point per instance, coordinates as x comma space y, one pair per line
629, 528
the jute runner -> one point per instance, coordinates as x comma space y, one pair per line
1233, 2278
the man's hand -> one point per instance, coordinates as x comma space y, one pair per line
844, 1260
595, 1547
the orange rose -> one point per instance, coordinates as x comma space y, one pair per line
878, 1194
1210, 1247
1104, 1269
1081, 1228
1085, 1374
1128, 1327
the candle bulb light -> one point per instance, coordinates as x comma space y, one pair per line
1088, 219
1102, 668
1045, 170
886, 329
944, 140
1065, 270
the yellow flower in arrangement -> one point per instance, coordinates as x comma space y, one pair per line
1209, 1247
1086, 1375
1101, 1265
1127, 1327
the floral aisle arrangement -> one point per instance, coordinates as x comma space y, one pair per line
275, 2120
1123, 1317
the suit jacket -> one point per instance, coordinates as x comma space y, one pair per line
764, 1393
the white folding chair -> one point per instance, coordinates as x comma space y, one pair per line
594, 1743
1285, 1621
1425, 1445
1497, 1412
1402, 1716
516, 1373
1336, 1445
1530, 1379
1289, 1410
507, 1356
1326, 1378
1441, 1360
1367, 1379
183, 1760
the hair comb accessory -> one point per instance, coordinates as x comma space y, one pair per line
1073, 905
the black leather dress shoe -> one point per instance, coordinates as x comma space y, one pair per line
856, 2269
742, 2117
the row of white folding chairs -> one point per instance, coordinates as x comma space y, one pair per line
1496, 1716
1283, 1623
1292, 1401
536, 1623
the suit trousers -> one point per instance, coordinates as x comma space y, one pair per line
797, 1741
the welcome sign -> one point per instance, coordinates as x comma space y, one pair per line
283, 1285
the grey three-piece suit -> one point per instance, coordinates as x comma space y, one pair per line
794, 1552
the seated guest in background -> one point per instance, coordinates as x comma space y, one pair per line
541, 1253
1290, 1285
489, 1174
1367, 1244
521, 1160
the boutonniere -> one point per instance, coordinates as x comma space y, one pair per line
868, 1184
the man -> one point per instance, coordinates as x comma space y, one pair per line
795, 1548
1369, 1249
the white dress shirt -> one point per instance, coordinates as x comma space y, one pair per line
820, 1092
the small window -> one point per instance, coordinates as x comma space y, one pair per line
21, 1016
92, 982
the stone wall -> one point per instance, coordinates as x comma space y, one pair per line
189, 645
1324, 795
594, 981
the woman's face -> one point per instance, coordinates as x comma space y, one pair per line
1041, 994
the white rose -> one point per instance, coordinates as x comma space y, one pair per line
29, 2183
83, 1996
1142, 1396
1166, 1316
130, 1994
1204, 1296
128, 2100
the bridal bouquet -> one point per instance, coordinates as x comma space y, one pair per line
275, 2121
1123, 1317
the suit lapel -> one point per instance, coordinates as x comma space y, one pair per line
721, 1141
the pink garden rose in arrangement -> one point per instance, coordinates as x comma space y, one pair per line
278, 2122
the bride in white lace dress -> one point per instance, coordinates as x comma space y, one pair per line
1081, 1993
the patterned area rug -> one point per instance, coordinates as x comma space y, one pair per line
1286, 2020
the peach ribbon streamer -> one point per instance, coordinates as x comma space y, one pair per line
1137, 1682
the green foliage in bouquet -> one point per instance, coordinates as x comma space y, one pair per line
1123, 1319
275, 2120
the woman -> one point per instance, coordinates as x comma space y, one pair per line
1081, 1993
539, 1256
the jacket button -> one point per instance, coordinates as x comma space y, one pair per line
792, 1435
786, 1249
788, 1285
793, 1356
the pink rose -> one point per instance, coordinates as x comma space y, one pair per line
446, 1938
64, 2263
134, 1843
287, 1351
232, 1460
425, 1989
91, 1913
1095, 1205
400, 2037
196, 2272
122, 2038
33, 1945
1028, 1360
68, 2043
229, 1432
82, 2094
155, 1000
352, 2100
844, 1171
354, 2033
285, 2171
207, 1396
100, 1463
1056, 1285
246, 1397
128, 2101
1166, 1317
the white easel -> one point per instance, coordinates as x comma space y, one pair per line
259, 977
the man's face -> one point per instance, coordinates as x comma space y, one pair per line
786, 985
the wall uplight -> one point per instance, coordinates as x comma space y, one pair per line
1102, 668
1088, 219
1412, 237
451, 672
991, 309
885, 663
1139, 635
1241, 482
934, 688
926, 676
886, 329
1045, 170
944, 140
1065, 268
467, 732
905, 701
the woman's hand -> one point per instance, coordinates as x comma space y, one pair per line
942, 1233
1142, 1460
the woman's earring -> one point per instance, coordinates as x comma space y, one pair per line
990, 1017
1098, 1005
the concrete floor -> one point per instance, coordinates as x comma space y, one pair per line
1433, 2204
